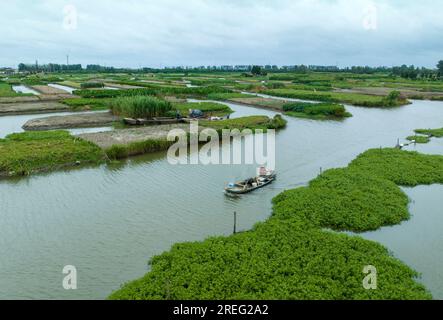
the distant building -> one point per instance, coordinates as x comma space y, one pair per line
323, 68
7, 71
227, 68
242, 68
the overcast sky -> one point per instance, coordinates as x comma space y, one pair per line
161, 33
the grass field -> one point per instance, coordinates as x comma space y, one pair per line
30, 152
320, 111
7, 91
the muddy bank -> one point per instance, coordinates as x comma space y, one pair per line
259, 102
121, 86
29, 108
127, 136
22, 99
408, 93
83, 120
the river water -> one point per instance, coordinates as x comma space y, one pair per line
109, 220
14, 123
24, 89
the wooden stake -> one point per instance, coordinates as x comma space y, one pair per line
235, 222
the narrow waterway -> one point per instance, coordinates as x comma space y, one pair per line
14, 123
24, 89
109, 220
62, 87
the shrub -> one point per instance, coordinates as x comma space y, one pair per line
88, 85
316, 109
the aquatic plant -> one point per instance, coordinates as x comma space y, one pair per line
291, 256
146, 107
431, 132
419, 139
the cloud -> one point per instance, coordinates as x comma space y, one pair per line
206, 32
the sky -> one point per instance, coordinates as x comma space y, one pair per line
160, 33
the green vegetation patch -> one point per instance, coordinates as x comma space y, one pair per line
431, 132
89, 85
364, 100
227, 96
292, 256
345, 199
117, 152
25, 153
143, 107
419, 139
152, 90
86, 104
316, 110
208, 108
7, 91
251, 122
401, 167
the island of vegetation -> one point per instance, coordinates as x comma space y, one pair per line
296, 254
321, 111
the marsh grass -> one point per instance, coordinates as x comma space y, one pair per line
92, 85
145, 107
118, 152
29, 152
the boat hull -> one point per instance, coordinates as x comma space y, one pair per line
251, 189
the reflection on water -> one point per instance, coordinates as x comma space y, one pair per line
14, 123
62, 87
109, 220
24, 89
418, 242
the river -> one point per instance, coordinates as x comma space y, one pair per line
109, 220
13, 123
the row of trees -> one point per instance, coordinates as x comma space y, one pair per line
404, 71
51, 67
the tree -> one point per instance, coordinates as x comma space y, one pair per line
440, 68
256, 70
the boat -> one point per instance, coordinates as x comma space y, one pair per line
264, 178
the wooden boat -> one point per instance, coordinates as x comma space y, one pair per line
251, 184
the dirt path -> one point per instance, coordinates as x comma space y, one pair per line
29, 108
83, 120
379, 91
127, 136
